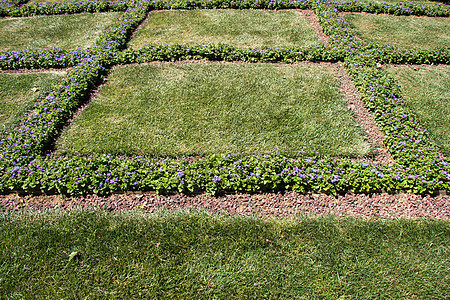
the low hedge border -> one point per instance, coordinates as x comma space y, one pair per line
25, 167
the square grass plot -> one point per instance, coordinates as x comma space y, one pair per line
402, 31
19, 92
426, 90
62, 31
240, 28
173, 109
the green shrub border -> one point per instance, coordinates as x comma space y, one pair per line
26, 168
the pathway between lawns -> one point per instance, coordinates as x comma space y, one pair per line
288, 204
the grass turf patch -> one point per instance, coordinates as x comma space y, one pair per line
168, 109
66, 31
401, 31
240, 28
18, 92
427, 95
198, 255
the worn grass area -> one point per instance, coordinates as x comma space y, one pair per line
18, 92
402, 31
427, 94
240, 28
66, 31
196, 255
168, 109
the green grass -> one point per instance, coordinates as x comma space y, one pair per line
240, 28
177, 110
401, 31
427, 95
18, 92
66, 31
195, 255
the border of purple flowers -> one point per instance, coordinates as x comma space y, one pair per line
419, 168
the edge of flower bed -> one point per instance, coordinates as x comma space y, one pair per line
418, 167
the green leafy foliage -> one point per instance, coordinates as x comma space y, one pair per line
419, 167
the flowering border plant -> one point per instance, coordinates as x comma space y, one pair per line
25, 166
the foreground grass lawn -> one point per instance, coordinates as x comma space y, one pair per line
18, 92
168, 109
192, 255
240, 28
66, 31
427, 95
401, 31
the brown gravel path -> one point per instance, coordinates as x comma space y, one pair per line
287, 204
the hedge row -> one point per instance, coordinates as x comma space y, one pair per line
15, 9
25, 167
58, 8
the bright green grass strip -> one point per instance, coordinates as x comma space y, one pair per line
168, 109
240, 28
195, 255
66, 31
427, 95
402, 31
18, 93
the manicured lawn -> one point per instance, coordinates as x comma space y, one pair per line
427, 95
240, 28
66, 31
18, 92
168, 109
193, 255
402, 31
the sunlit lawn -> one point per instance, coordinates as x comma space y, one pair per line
195, 255
402, 31
240, 28
427, 95
18, 92
60, 31
176, 110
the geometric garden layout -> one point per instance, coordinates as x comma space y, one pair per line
148, 103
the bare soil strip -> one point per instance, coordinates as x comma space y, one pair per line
362, 116
142, 24
267, 205
314, 21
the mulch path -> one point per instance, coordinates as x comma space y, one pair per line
288, 204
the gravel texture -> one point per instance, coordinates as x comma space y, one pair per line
288, 204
